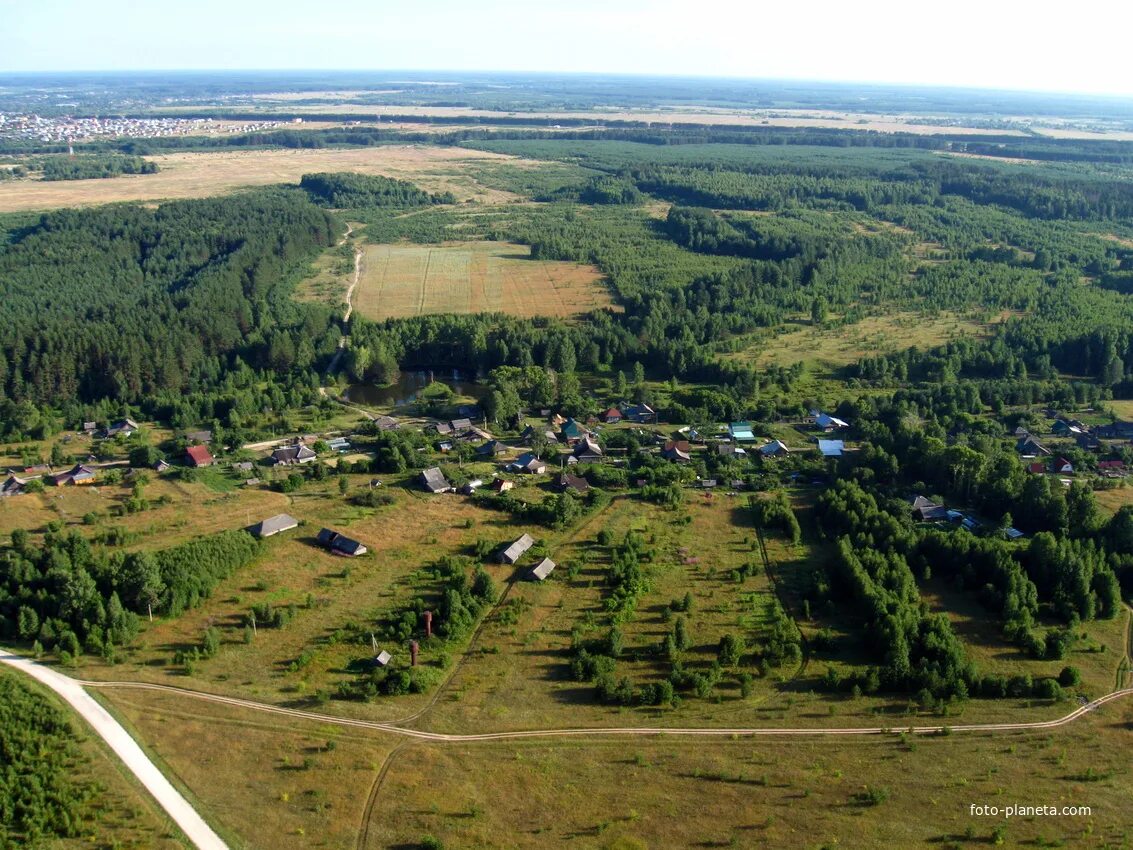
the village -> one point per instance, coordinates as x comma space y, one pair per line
460, 455
65, 129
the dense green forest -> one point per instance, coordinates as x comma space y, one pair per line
66, 595
88, 167
43, 793
367, 190
180, 310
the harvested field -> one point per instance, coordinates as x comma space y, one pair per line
200, 175
473, 277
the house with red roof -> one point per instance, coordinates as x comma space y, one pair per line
199, 456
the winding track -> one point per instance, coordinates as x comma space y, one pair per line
333, 367
578, 732
73, 691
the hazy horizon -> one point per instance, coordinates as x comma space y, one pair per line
421, 75
966, 46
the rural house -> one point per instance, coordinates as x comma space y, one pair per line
514, 551
434, 480
926, 510
1068, 428
676, 450
1115, 431
339, 544
572, 432
741, 432
528, 462
831, 448
77, 475
567, 481
273, 525
775, 448
198, 456
491, 449
123, 427
1088, 442
543, 569
1030, 447
472, 433
587, 451
290, 455
13, 486
827, 423
642, 414
1063, 465
499, 485
612, 416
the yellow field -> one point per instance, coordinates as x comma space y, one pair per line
200, 175
472, 277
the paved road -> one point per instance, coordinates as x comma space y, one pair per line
111, 731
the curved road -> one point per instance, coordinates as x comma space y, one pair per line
72, 690
675, 731
127, 749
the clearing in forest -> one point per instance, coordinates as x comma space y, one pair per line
473, 277
202, 175
833, 346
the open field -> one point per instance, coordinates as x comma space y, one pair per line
888, 123
1114, 499
201, 175
652, 794
473, 277
266, 782
635, 793
179, 511
834, 346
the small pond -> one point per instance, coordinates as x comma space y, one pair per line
405, 389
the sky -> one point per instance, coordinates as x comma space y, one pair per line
1078, 46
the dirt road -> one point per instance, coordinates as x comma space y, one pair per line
602, 731
119, 740
333, 367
